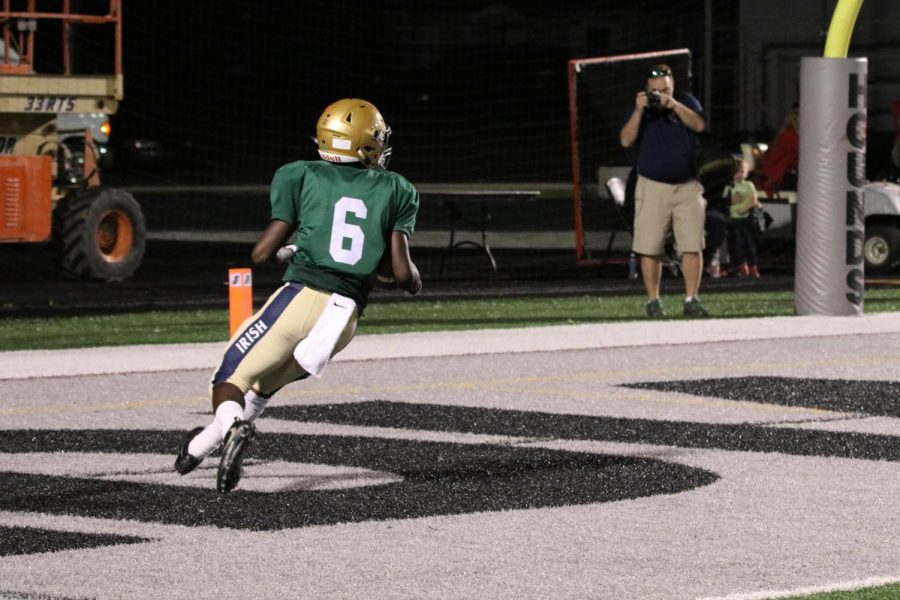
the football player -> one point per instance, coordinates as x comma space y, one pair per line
346, 213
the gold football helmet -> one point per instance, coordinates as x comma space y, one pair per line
352, 130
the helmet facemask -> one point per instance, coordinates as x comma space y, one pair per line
377, 154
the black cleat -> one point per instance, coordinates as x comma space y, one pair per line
184, 462
693, 309
655, 309
236, 442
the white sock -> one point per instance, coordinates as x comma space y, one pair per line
254, 405
227, 413
688, 299
206, 441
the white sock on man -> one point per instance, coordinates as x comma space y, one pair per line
205, 442
254, 405
688, 299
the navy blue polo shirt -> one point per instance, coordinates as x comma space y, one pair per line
665, 145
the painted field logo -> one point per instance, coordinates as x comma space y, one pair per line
417, 478
409, 478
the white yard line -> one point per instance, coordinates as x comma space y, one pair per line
25, 364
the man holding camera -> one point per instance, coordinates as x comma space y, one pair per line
664, 127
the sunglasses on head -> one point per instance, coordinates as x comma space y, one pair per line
660, 73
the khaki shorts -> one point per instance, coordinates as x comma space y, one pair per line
260, 354
663, 207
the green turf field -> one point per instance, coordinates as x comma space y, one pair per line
887, 592
395, 317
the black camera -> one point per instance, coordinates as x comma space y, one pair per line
654, 99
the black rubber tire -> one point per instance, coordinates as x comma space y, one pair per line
101, 234
881, 249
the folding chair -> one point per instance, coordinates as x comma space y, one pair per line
615, 186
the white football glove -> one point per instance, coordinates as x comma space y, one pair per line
285, 253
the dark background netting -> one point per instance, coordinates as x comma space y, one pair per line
222, 93
474, 90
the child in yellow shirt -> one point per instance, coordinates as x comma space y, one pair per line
743, 200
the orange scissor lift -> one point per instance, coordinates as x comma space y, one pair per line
46, 192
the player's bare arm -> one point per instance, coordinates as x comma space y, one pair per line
270, 240
405, 272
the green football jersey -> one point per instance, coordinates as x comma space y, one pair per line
344, 217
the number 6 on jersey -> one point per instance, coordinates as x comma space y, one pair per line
341, 229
